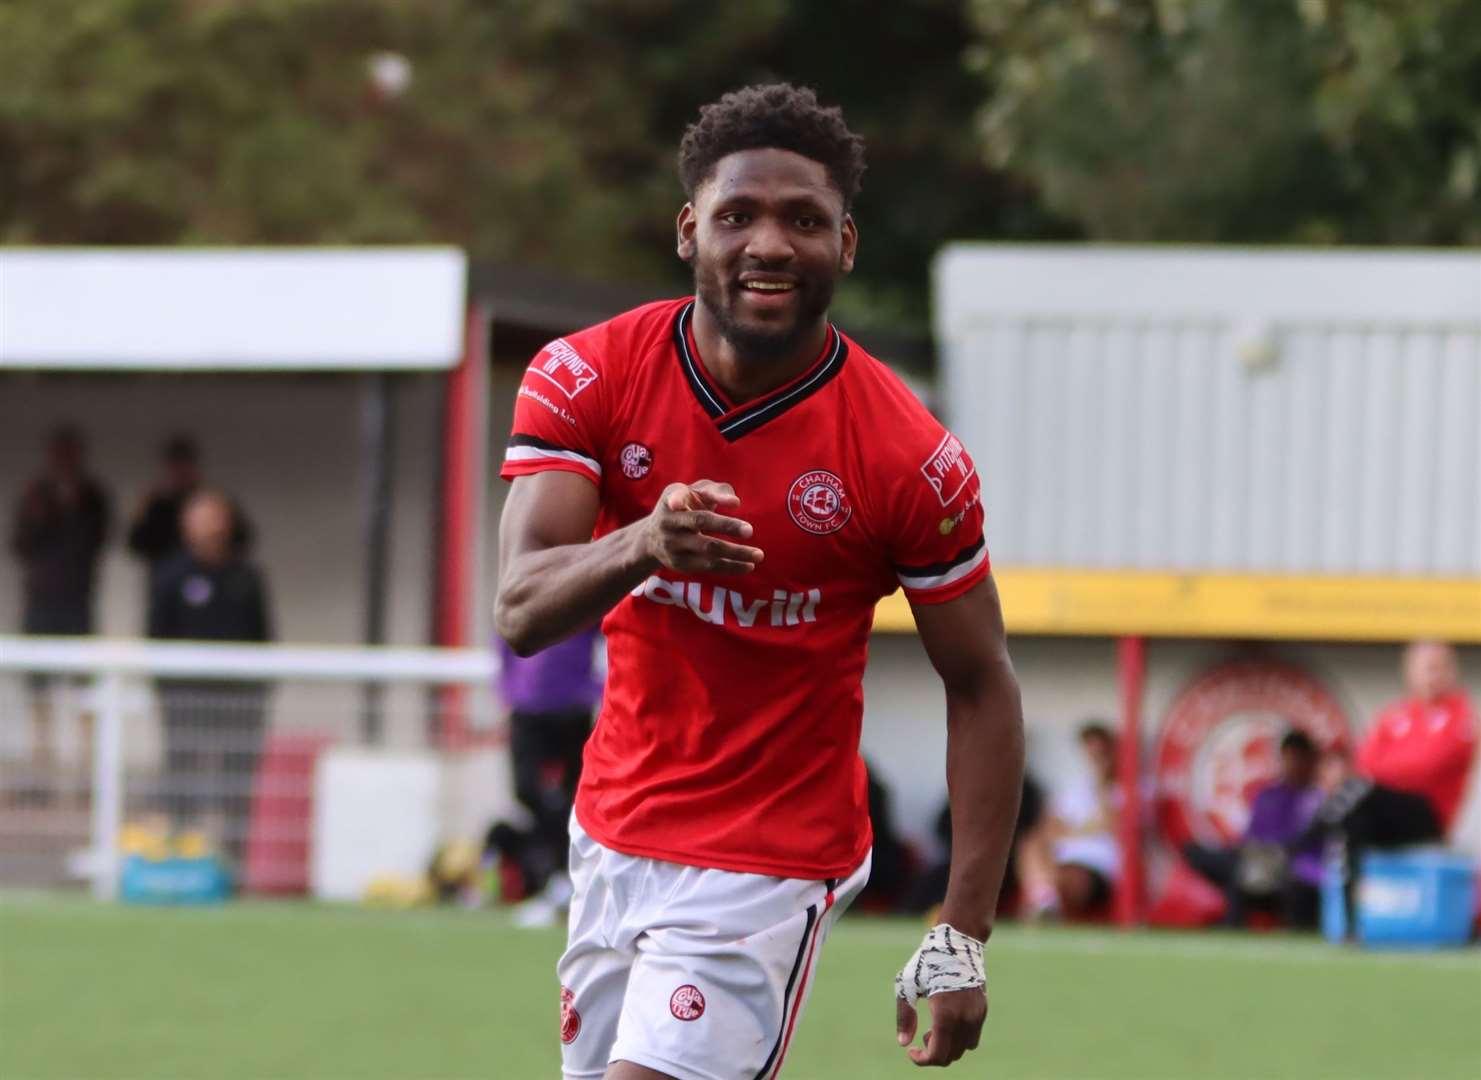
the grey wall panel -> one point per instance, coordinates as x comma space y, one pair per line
1117, 456
1225, 471
1457, 469
1155, 444
1417, 451
1342, 461
1220, 409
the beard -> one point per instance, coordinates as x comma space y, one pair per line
757, 340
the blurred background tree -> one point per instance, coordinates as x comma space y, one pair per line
1240, 121
544, 131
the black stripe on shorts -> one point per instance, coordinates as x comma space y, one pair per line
812, 917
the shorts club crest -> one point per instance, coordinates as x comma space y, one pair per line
570, 1018
687, 1003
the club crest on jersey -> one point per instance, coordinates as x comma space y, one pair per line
636, 460
818, 503
563, 366
687, 1003
948, 469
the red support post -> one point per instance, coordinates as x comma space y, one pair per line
1131, 667
463, 440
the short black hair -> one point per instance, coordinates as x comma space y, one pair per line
1097, 729
181, 448
1298, 740
65, 434
776, 116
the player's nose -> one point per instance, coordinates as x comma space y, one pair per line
767, 242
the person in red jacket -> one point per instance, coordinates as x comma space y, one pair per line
1411, 768
1423, 744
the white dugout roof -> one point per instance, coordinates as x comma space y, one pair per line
138, 309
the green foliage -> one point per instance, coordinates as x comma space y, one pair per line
540, 131
543, 132
1355, 121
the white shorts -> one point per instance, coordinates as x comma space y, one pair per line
700, 974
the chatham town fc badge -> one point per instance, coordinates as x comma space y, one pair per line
818, 503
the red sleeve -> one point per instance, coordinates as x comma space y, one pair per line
560, 411
938, 547
1422, 757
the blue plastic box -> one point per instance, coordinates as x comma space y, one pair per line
201, 880
1417, 898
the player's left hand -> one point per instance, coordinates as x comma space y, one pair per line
948, 971
957, 1017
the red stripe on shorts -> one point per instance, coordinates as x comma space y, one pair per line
802, 988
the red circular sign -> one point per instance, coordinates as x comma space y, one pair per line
570, 1018
1220, 744
687, 1003
818, 503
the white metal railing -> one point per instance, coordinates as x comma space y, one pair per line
111, 664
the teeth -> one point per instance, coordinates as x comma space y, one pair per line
769, 286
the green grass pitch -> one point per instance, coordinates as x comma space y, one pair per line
281, 991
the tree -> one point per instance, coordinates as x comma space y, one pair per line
538, 131
1355, 121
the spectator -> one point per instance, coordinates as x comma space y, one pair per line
213, 728
1068, 865
891, 868
60, 525
1276, 866
550, 696
929, 889
1411, 768
1423, 744
155, 533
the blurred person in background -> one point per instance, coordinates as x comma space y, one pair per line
929, 888
892, 869
154, 534
1068, 864
60, 525
551, 696
1423, 744
1410, 774
1277, 865
213, 728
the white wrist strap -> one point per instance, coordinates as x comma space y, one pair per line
946, 960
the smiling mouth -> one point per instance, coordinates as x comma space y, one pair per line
769, 286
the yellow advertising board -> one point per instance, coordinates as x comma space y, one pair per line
1102, 603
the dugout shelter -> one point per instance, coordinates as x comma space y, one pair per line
1191, 459
1228, 483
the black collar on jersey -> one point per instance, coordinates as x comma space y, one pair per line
735, 422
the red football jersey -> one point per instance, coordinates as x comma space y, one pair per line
729, 733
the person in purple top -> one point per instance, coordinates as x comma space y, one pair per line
1273, 867
550, 697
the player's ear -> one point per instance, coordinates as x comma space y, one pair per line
850, 244
685, 228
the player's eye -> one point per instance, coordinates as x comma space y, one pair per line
734, 217
807, 222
